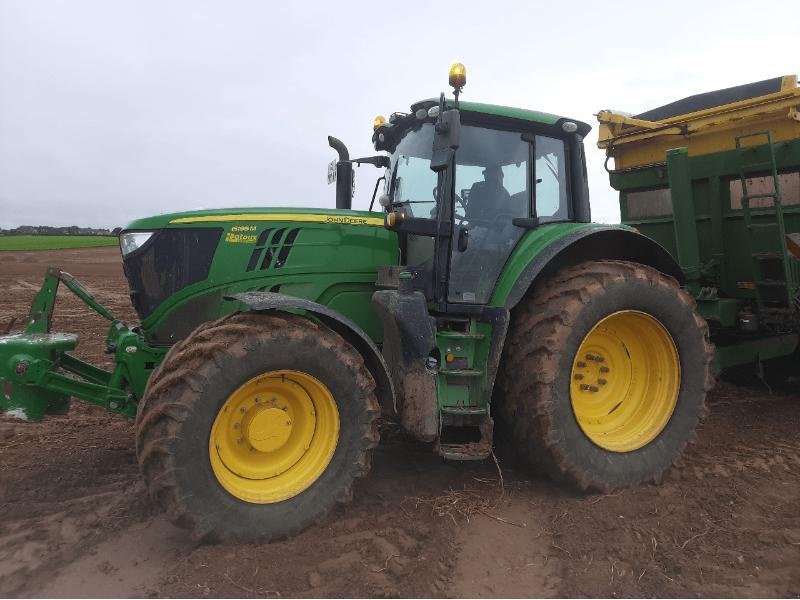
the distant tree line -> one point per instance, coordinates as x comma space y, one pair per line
48, 230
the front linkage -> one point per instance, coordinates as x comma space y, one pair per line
38, 376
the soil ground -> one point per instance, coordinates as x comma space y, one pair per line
75, 520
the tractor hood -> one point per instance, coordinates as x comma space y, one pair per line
239, 215
182, 267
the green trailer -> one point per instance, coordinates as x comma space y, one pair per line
478, 296
715, 179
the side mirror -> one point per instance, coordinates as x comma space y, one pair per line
446, 139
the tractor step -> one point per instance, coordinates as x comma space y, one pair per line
466, 442
464, 410
459, 335
468, 451
461, 372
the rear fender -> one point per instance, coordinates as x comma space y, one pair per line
263, 301
592, 242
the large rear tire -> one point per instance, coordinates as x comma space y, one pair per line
604, 375
255, 426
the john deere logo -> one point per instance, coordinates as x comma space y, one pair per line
272, 243
345, 220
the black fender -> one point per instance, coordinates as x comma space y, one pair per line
595, 243
263, 301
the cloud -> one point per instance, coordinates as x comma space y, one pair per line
113, 111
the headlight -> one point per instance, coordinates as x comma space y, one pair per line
128, 242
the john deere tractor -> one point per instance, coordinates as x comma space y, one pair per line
272, 340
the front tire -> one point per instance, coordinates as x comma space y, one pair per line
604, 375
255, 426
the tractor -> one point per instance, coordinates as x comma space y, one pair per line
478, 296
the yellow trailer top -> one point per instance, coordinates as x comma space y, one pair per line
703, 123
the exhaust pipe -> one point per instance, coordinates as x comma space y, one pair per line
344, 174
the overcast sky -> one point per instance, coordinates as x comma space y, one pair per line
111, 111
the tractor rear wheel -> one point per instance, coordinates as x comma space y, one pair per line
255, 426
604, 375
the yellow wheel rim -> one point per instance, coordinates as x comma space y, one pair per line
625, 381
274, 436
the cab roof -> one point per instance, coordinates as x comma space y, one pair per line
506, 112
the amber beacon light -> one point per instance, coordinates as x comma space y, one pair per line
457, 76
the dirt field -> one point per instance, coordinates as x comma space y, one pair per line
75, 519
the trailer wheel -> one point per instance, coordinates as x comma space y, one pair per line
255, 426
604, 375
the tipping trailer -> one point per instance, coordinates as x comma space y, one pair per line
478, 293
715, 179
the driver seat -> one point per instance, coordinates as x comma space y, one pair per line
484, 202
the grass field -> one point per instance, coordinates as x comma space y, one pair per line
53, 242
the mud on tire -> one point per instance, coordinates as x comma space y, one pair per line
532, 400
190, 386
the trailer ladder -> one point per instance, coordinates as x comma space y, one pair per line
777, 273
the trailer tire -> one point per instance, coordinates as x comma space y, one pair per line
325, 391
553, 402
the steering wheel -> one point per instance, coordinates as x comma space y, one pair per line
459, 200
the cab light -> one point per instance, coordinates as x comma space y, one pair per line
457, 76
394, 218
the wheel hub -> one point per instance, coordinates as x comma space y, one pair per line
268, 429
274, 436
625, 381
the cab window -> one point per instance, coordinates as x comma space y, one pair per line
551, 179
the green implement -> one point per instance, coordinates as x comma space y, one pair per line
723, 198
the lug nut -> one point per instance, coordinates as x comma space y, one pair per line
578, 377
604, 369
591, 357
602, 381
589, 388
581, 364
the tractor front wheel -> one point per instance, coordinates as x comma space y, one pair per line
255, 426
604, 375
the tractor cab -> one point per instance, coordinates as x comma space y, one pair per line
464, 184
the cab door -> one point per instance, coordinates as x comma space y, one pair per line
500, 176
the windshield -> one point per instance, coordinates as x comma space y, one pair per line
413, 184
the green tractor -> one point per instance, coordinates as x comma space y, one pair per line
271, 341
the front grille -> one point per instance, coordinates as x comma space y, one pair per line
168, 262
